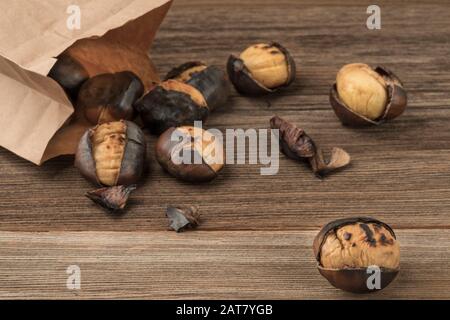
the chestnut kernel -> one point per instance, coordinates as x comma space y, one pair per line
261, 68
199, 153
363, 95
110, 97
69, 73
112, 153
211, 81
345, 249
171, 104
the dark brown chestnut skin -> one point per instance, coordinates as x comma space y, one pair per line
172, 103
246, 84
211, 81
130, 162
69, 73
396, 103
110, 97
201, 172
352, 280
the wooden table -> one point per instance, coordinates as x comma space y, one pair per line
257, 231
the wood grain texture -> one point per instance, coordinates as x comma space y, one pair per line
234, 264
400, 171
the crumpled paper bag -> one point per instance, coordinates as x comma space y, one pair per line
37, 120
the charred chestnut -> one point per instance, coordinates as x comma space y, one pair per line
110, 97
211, 81
112, 154
348, 251
69, 73
171, 104
190, 153
261, 68
363, 95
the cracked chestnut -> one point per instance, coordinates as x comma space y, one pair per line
190, 154
69, 73
261, 68
172, 103
211, 81
348, 249
112, 154
110, 97
363, 95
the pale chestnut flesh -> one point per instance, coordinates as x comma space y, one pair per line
362, 90
108, 146
360, 245
182, 87
187, 74
267, 64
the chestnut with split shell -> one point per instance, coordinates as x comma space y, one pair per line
211, 81
69, 73
190, 154
261, 68
112, 154
348, 250
110, 97
363, 95
172, 103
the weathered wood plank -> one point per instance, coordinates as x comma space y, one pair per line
254, 226
239, 265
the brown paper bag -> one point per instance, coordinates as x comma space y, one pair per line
37, 119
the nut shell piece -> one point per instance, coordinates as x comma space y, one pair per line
245, 83
171, 104
131, 161
110, 97
395, 106
351, 279
197, 145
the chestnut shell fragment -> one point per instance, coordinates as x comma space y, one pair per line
182, 218
297, 145
69, 73
397, 102
212, 82
113, 199
132, 162
161, 109
110, 96
351, 279
243, 80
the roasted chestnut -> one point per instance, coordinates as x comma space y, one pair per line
211, 81
261, 68
190, 153
363, 95
112, 154
69, 73
171, 104
110, 97
351, 251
